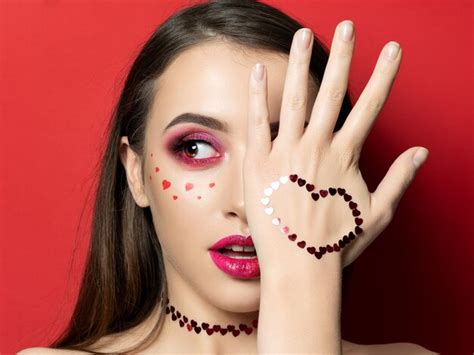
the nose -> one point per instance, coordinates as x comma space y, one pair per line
234, 206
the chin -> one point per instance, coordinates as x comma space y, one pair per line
236, 295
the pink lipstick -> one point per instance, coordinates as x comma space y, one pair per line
236, 256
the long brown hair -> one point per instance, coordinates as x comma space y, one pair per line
124, 278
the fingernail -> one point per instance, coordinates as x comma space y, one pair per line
304, 38
420, 157
258, 72
346, 32
392, 50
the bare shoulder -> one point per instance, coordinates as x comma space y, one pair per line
390, 349
49, 351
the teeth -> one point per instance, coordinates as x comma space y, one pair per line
243, 257
240, 248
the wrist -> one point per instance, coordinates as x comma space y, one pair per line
300, 299
302, 271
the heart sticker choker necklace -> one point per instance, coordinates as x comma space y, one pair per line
210, 330
332, 191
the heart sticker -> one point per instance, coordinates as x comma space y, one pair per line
318, 252
166, 184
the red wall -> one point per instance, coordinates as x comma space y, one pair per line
61, 68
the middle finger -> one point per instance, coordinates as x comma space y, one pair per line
333, 87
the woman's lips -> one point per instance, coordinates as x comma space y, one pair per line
235, 239
241, 268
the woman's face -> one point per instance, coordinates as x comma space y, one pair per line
195, 190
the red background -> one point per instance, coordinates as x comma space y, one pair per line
62, 65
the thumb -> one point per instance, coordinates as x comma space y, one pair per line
399, 176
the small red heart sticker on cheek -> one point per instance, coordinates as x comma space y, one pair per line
166, 184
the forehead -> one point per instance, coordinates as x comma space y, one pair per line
212, 79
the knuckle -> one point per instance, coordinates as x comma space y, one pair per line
346, 157
343, 51
296, 102
373, 105
335, 95
384, 69
315, 148
257, 90
318, 152
299, 59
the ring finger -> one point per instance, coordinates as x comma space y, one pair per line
359, 122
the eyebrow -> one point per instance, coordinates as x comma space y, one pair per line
211, 122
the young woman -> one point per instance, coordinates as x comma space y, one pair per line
203, 156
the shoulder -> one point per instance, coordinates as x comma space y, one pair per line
49, 351
391, 349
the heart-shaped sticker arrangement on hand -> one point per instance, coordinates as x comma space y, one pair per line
333, 191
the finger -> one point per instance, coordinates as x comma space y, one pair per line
401, 173
295, 92
258, 129
363, 115
333, 87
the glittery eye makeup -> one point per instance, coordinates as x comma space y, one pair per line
195, 148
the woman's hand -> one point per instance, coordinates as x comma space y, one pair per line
319, 157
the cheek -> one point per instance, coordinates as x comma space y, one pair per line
181, 202
169, 186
